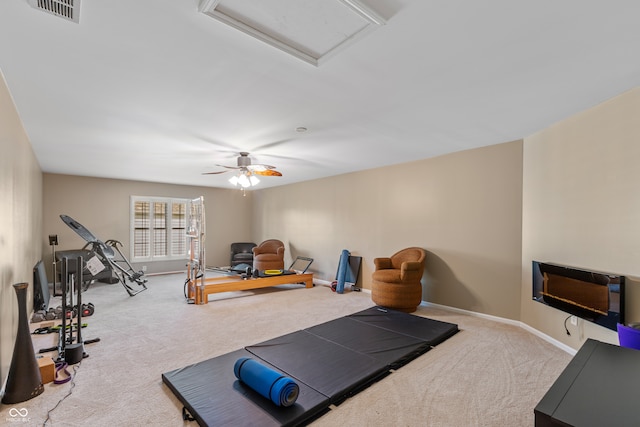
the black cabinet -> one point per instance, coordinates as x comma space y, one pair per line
599, 387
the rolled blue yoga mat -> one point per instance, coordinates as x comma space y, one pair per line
341, 277
280, 389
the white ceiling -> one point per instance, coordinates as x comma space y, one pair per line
154, 90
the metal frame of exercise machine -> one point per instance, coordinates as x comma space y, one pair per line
196, 267
111, 256
71, 350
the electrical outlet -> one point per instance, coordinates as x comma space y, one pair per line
574, 320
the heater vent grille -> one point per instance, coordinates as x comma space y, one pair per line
67, 9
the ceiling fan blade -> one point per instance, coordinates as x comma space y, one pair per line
222, 166
246, 167
214, 173
272, 144
268, 172
259, 167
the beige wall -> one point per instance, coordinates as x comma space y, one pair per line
581, 204
20, 219
463, 208
102, 206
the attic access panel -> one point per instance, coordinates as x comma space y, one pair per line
310, 30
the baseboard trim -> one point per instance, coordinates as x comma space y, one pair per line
348, 287
518, 323
165, 273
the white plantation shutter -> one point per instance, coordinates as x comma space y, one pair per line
158, 228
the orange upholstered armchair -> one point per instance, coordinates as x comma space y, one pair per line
269, 255
396, 280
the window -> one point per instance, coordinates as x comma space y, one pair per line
158, 228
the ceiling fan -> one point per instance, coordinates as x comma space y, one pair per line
246, 176
245, 165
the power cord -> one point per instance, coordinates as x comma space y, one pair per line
187, 282
73, 384
565, 325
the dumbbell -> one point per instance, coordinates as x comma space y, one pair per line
87, 309
53, 313
38, 316
71, 312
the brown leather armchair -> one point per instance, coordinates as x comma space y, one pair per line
396, 280
269, 255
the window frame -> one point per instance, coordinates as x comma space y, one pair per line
168, 228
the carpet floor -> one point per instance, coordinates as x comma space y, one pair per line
488, 374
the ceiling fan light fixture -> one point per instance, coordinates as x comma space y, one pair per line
244, 181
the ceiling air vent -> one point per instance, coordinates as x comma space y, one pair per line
67, 9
